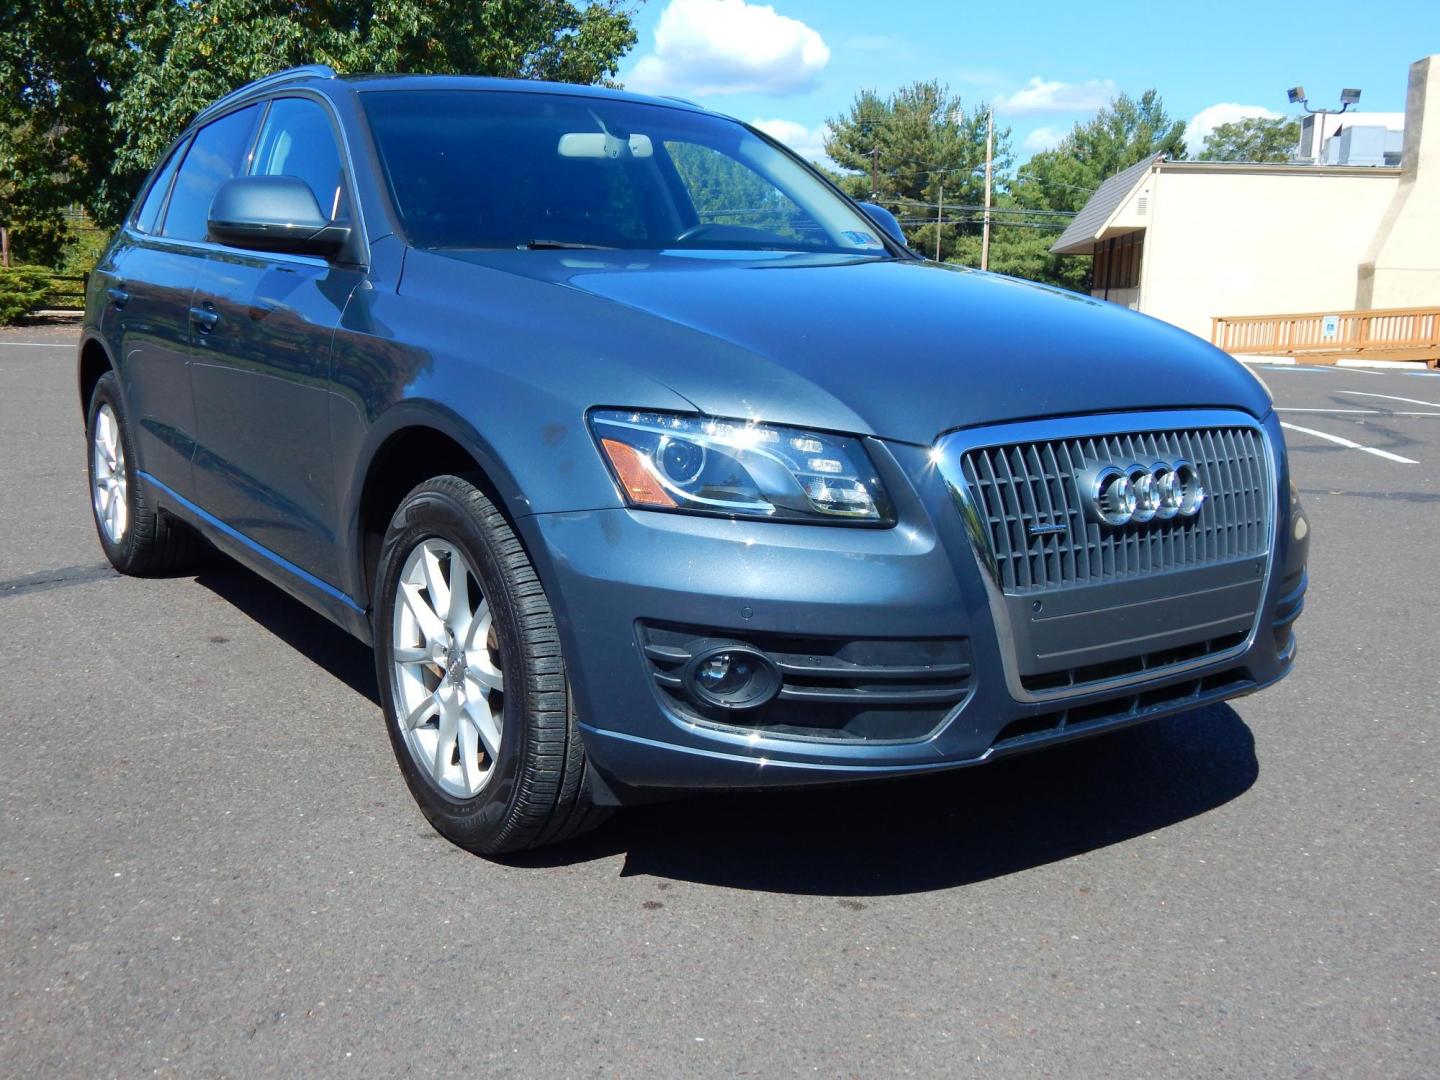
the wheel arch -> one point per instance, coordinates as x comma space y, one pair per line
91, 365
409, 444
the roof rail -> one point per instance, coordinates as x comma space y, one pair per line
304, 71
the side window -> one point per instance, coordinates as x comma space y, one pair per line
297, 140
149, 215
726, 191
216, 155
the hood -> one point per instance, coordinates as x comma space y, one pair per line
901, 349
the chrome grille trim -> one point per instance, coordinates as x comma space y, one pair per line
951, 448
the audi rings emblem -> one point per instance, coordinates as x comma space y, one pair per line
1140, 493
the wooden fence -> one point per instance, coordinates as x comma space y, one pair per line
1323, 337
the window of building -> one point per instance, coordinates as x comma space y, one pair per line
1117, 263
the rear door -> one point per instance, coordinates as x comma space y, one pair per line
149, 281
263, 332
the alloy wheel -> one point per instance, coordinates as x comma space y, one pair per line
108, 485
448, 679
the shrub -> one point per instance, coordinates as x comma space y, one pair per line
22, 290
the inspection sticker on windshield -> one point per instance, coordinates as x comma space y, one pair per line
860, 239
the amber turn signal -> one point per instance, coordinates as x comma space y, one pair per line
639, 481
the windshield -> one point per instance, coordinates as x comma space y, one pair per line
498, 169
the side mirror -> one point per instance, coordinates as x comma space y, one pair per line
886, 221
274, 213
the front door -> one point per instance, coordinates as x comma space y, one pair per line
263, 326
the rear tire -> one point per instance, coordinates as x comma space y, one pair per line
473, 679
136, 537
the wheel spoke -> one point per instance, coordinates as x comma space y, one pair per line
435, 581
445, 743
483, 673
479, 628
423, 711
487, 726
469, 754
431, 624
412, 654
457, 614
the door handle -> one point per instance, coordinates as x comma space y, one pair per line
118, 296
204, 318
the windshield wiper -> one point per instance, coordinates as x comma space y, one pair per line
562, 245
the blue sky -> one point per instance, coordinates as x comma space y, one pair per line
791, 64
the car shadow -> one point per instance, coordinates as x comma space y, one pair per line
306, 631
937, 832
869, 839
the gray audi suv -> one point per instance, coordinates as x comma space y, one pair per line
649, 462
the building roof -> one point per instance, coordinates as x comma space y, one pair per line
1088, 224
1093, 222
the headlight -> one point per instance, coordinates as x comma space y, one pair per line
664, 461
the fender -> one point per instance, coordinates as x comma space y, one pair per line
403, 415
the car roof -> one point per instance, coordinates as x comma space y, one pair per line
486, 82
322, 78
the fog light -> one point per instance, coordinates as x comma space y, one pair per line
732, 677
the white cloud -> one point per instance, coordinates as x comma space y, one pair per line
809, 143
1207, 120
1043, 138
1042, 96
712, 47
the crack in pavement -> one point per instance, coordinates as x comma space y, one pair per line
58, 578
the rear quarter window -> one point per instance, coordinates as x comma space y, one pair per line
148, 216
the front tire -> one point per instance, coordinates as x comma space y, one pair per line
473, 679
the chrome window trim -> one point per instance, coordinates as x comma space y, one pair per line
209, 247
950, 448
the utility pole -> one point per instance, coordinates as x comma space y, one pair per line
939, 221
874, 166
989, 162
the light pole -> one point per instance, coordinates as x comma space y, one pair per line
1297, 96
989, 161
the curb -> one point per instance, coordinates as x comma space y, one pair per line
1290, 361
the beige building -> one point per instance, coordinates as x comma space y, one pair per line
1189, 240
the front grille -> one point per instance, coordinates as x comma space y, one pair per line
1017, 486
1139, 664
1048, 727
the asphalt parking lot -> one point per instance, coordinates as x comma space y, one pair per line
210, 866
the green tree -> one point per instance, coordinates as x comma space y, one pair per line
1121, 134
1254, 138
919, 141
93, 90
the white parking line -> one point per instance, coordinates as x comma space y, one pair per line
1391, 397
1361, 412
1350, 445
37, 344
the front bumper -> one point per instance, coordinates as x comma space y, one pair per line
611, 574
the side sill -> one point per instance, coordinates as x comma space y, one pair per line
299, 583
